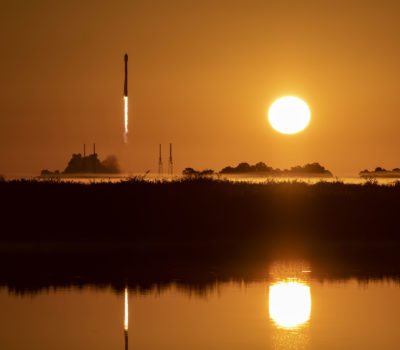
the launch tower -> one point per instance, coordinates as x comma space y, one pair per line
170, 162
160, 163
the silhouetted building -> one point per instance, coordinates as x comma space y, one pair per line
92, 164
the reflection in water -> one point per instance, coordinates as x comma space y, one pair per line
126, 310
290, 304
126, 319
234, 316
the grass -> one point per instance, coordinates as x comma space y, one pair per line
197, 210
204, 224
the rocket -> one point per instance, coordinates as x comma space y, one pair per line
126, 100
126, 76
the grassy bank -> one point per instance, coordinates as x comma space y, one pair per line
198, 218
163, 231
197, 210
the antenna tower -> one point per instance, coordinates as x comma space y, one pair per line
170, 162
160, 164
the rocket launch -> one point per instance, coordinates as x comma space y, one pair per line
126, 76
126, 99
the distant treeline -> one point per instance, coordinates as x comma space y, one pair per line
260, 168
380, 172
193, 172
88, 164
308, 169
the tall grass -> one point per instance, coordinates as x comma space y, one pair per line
189, 210
164, 230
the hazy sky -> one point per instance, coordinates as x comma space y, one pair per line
202, 75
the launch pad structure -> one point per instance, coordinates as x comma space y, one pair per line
160, 163
170, 161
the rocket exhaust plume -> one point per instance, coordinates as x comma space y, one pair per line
126, 99
126, 118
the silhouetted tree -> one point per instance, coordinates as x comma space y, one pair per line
243, 168
190, 172
260, 167
207, 172
227, 170
195, 173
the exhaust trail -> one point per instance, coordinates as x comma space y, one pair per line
126, 100
126, 119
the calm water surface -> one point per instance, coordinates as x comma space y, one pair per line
290, 309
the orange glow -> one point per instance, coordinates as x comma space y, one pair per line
199, 78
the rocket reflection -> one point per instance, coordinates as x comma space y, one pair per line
126, 319
126, 310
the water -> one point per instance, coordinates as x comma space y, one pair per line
290, 309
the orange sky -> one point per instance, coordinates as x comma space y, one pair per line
202, 75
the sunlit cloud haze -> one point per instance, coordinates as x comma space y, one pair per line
202, 75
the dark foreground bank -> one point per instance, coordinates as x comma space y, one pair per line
194, 228
198, 211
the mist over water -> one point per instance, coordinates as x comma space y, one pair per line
151, 176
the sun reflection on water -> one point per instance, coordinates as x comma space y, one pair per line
289, 303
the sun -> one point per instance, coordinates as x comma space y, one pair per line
289, 115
